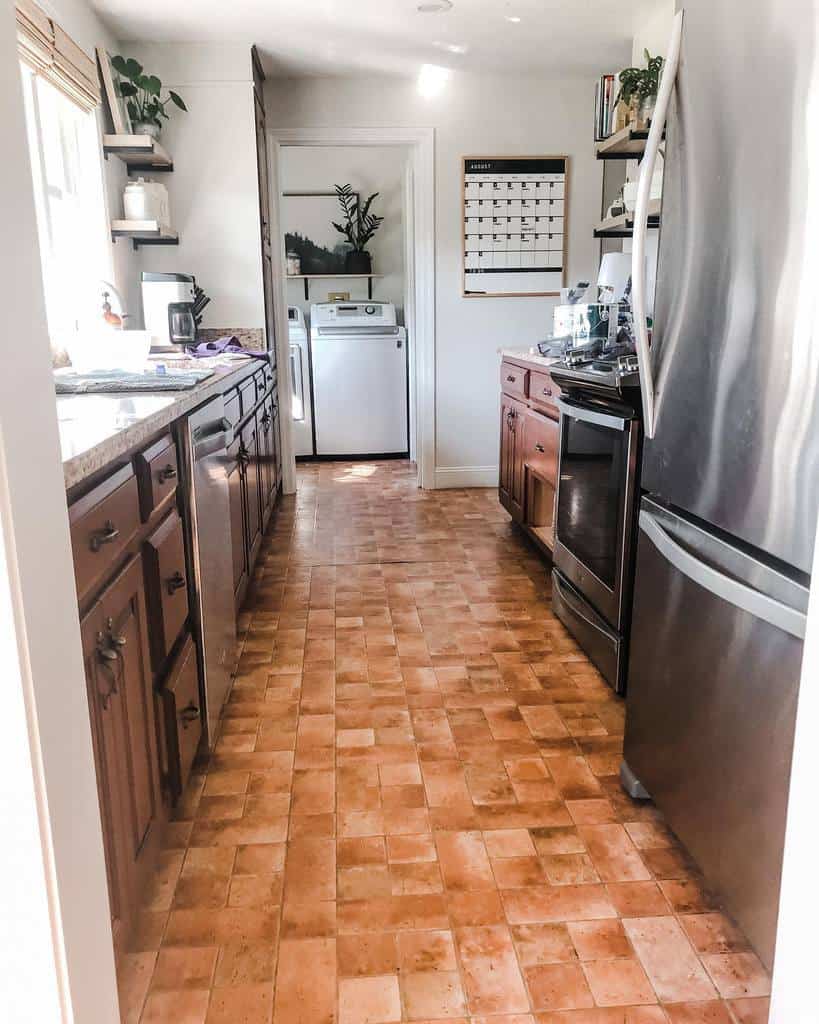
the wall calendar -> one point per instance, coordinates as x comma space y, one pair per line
515, 225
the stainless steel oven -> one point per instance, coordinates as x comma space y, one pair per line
595, 526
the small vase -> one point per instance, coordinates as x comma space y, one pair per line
146, 128
356, 262
646, 111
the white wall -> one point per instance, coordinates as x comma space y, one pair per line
51, 862
652, 30
368, 169
475, 115
213, 188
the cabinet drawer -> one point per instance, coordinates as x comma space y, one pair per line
166, 584
514, 380
540, 445
103, 523
543, 391
247, 391
182, 716
158, 473
233, 409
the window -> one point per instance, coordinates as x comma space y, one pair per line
69, 192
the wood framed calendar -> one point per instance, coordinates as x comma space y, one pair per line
515, 225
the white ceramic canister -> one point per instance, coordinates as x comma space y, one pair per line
146, 200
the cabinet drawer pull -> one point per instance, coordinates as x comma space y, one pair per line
189, 714
539, 448
167, 473
510, 378
175, 582
106, 535
547, 392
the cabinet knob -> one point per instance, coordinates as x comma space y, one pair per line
547, 391
511, 379
189, 714
175, 582
106, 535
539, 448
167, 473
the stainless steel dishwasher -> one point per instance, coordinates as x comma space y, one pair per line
209, 436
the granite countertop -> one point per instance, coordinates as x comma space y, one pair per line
529, 355
97, 429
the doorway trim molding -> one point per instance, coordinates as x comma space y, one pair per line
421, 144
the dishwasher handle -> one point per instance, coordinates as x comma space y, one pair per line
215, 437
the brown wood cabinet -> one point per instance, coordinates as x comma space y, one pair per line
529, 447
121, 706
238, 530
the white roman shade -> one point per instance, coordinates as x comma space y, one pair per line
49, 51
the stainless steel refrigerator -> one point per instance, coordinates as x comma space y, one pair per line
731, 455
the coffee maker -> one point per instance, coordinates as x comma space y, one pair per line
167, 303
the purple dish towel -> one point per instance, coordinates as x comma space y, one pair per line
226, 344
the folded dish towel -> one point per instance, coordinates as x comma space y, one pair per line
229, 344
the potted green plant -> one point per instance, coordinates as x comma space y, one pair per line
639, 87
143, 96
358, 228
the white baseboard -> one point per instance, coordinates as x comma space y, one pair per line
465, 476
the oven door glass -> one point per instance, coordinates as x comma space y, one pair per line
593, 477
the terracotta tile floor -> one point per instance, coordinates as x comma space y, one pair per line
412, 812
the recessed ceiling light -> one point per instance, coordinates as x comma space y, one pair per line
513, 18
435, 6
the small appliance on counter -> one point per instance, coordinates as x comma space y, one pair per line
168, 307
301, 382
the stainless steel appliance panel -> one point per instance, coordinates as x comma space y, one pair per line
713, 679
209, 436
604, 647
594, 504
734, 353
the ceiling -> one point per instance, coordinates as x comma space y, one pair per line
329, 37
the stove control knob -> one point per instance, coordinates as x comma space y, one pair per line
369, 310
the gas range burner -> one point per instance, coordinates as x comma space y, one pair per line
606, 374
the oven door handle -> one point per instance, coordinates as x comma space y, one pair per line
583, 412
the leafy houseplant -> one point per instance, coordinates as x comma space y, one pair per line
358, 228
142, 94
639, 87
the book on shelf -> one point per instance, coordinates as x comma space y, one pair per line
606, 95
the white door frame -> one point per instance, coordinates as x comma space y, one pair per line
421, 224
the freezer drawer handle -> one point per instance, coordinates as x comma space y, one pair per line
738, 594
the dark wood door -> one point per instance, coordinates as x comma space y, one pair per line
511, 477
121, 705
264, 220
238, 530
267, 469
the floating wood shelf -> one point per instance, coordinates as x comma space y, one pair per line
627, 144
307, 278
139, 152
623, 226
143, 232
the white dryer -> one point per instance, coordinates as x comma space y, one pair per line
300, 382
359, 379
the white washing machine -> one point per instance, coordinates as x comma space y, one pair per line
300, 382
359, 379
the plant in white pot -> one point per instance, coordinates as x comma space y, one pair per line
358, 228
143, 96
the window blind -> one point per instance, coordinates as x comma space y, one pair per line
52, 53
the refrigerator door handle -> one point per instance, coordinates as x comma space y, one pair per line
726, 587
638, 253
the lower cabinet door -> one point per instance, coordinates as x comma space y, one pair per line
510, 483
182, 717
253, 491
235, 474
121, 705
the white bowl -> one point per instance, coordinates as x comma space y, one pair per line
110, 349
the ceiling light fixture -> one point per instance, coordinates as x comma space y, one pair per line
435, 6
432, 79
513, 18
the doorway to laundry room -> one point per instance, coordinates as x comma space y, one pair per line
345, 225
